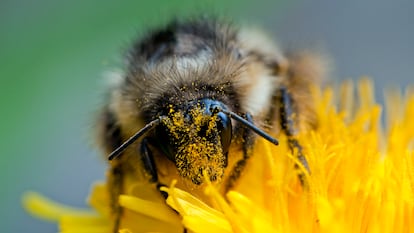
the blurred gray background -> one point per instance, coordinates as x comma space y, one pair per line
53, 55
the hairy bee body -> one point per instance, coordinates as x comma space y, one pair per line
201, 65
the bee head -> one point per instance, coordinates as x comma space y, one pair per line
196, 136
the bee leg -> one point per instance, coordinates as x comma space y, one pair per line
149, 165
148, 161
248, 141
289, 126
115, 189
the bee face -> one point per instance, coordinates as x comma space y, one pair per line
196, 137
191, 93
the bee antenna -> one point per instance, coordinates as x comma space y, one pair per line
117, 152
250, 126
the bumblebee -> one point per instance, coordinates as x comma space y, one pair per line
195, 91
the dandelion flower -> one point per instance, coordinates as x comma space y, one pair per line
362, 180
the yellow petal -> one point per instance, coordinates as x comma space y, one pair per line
42, 207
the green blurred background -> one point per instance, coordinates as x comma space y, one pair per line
53, 55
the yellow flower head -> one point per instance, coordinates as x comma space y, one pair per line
361, 180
